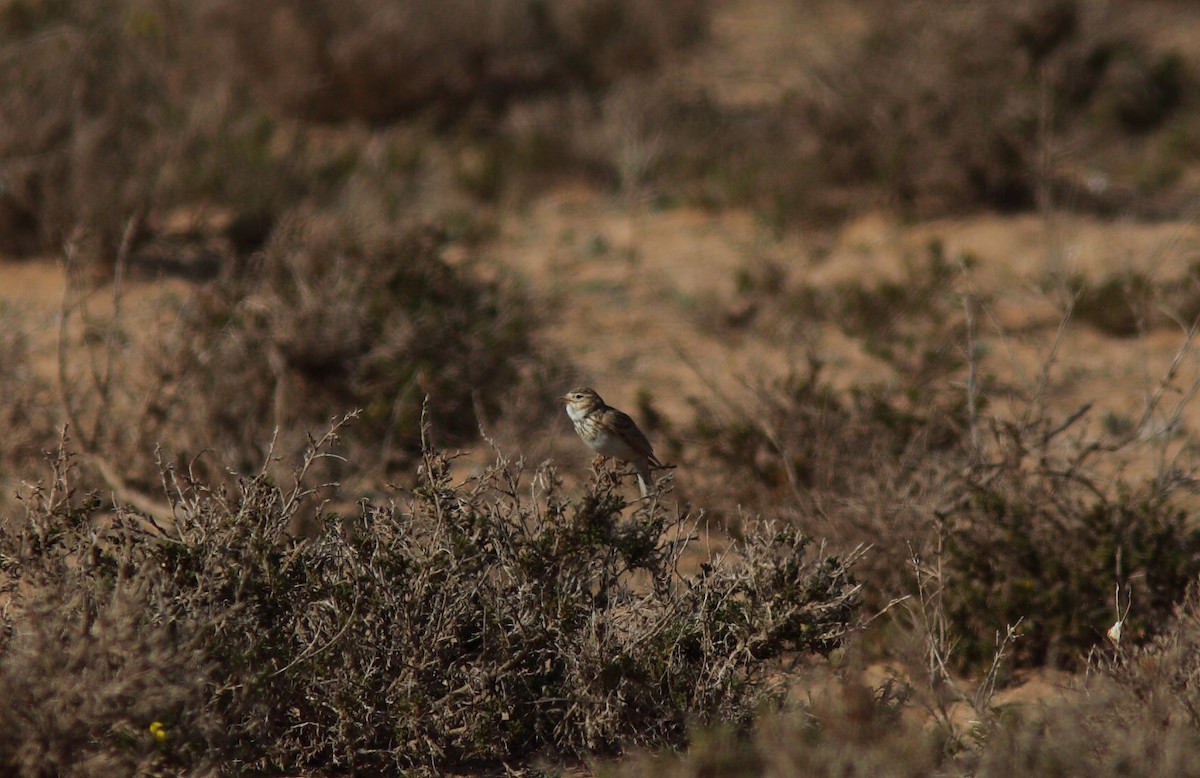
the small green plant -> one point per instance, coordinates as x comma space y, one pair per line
1041, 551
1130, 303
1117, 305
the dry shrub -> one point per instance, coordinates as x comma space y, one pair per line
1135, 713
83, 680
449, 626
87, 661
1135, 716
851, 730
88, 118
325, 319
937, 109
804, 438
1023, 525
321, 319
1166, 670
1036, 538
150, 113
377, 61
1108, 733
1130, 303
1029, 516
716, 156
24, 411
129, 107
915, 324
859, 731
949, 107
113, 113
863, 465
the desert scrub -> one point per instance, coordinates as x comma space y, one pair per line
969, 120
858, 466
1130, 303
1131, 716
125, 107
23, 412
376, 62
1134, 712
1034, 536
446, 625
1031, 517
324, 318
89, 121
87, 660
914, 323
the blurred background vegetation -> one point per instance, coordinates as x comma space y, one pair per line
321, 187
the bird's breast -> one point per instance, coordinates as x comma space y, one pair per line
607, 444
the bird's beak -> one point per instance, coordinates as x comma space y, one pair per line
565, 399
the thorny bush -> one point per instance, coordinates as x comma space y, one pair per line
1135, 713
1031, 519
451, 624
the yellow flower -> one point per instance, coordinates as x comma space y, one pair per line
159, 731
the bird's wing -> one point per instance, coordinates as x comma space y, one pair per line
630, 433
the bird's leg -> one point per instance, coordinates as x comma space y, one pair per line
605, 472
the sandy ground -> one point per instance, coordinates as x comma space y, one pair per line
637, 300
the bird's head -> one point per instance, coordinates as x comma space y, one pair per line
581, 401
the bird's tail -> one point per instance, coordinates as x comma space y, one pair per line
644, 479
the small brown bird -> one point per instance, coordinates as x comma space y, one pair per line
611, 433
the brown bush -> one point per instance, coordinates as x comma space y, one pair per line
1027, 516
377, 62
24, 410
126, 108
85, 680
449, 626
951, 107
933, 110
1131, 721
1138, 713
322, 319
1034, 538
88, 118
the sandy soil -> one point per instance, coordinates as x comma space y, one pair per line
637, 300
